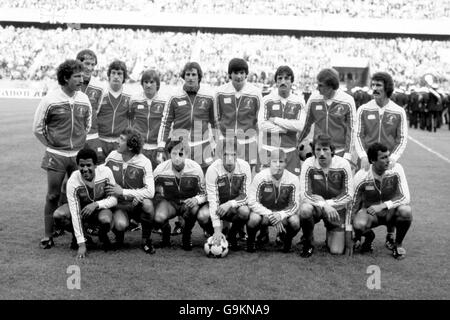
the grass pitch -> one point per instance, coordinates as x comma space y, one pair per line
28, 272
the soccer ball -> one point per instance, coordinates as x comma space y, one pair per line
305, 150
212, 250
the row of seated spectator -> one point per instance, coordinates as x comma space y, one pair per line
392, 9
32, 54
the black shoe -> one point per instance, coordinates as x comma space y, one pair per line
287, 245
280, 238
178, 229
58, 233
74, 244
242, 235
107, 245
262, 239
251, 247
47, 243
390, 241
186, 243
233, 245
398, 252
307, 250
147, 246
367, 245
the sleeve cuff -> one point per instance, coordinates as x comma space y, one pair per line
330, 202
161, 144
347, 156
200, 199
389, 204
233, 203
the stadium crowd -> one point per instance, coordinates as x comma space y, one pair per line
27, 53
394, 9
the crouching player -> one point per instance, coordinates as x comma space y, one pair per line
381, 198
274, 198
327, 185
227, 183
88, 203
135, 187
180, 187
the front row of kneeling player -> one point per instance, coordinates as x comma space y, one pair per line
109, 196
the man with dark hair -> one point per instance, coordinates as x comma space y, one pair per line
88, 204
146, 110
113, 115
281, 120
274, 198
189, 114
180, 186
61, 123
227, 184
381, 120
327, 188
381, 198
95, 91
332, 111
135, 187
238, 104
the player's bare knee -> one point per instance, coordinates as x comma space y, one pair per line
105, 219
147, 206
294, 222
306, 211
404, 213
203, 215
254, 220
243, 213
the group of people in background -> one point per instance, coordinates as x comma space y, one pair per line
225, 157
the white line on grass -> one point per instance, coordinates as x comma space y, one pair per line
429, 149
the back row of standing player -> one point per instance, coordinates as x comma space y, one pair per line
280, 120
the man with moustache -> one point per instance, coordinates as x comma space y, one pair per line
113, 115
227, 185
88, 203
274, 198
381, 198
327, 189
281, 119
61, 123
381, 120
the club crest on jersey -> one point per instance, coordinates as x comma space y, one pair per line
339, 110
202, 104
158, 108
80, 111
248, 103
289, 109
390, 119
335, 176
132, 173
92, 95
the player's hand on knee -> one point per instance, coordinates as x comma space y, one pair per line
274, 218
191, 202
89, 209
81, 254
332, 214
365, 163
223, 209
